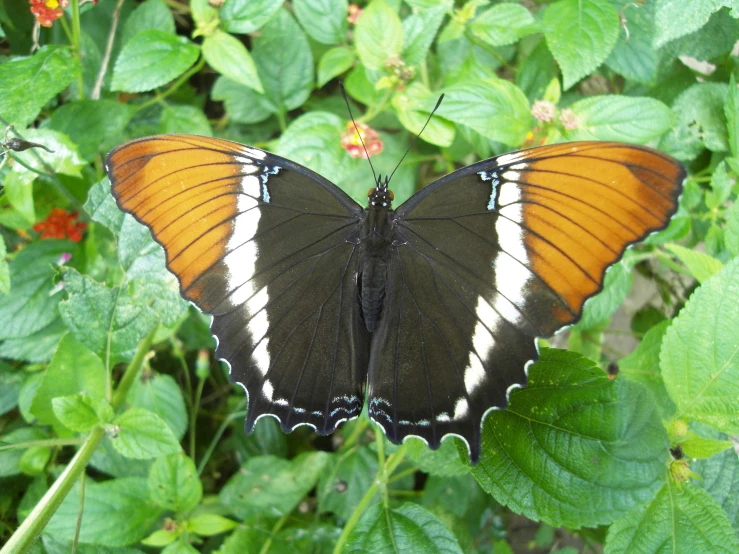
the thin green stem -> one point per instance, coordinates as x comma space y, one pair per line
45, 442
381, 475
78, 527
76, 44
485, 46
194, 416
34, 524
375, 110
217, 437
176, 85
359, 427
275, 530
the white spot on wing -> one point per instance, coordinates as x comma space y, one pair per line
253, 153
251, 185
461, 408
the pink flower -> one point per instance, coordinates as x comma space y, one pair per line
569, 120
543, 111
351, 142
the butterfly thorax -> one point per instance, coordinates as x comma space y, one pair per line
376, 238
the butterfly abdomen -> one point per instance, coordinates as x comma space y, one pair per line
376, 239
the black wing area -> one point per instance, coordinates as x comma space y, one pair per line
269, 248
493, 256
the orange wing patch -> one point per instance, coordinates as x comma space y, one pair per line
584, 203
187, 190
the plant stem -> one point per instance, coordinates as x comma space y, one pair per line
76, 32
95, 94
275, 530
217, 437
34, 524
386, 469
194, 416
45, 442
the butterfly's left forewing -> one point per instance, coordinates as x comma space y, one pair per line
269, 248
489, 258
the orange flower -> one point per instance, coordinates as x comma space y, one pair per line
48, 11
61, 225
350, 141
354, 13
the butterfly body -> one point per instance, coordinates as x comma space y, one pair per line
430, 310
376, 240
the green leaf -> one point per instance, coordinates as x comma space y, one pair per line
581, 35
180, 547
503, 24
10, 460
34, 460
692, 16
700, 447
95, 126
151, 59
700, 353
314, 140
4, 269
620, 118
495, 108
115, 513
731, 111
378, 35
174, 483
152, 14
108, 460
732, 229
419, 32
601, 307
410, 106
11, 381
160, 537
324, 20
228, 56
642, 366
37, 347
246, 16
142, 434
30, 308
161, 395
682, 521
335, 62
272, 486
701, 266
185, 119
572, 433
342, 486
106, 320
205, 16
76, 411
73, 369
101, 206
634, 56
409, 528
700, 121
27, 84
445, 461
243, 104
283, 57
720, 477
536, 72
721, 185
52, 546
208, 525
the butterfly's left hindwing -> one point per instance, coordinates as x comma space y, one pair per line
492, 256
268, 248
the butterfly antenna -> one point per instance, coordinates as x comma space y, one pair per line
356, 128
438, 103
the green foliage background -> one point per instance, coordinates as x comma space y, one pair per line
100, 357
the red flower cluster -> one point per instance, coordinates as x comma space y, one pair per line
48, 11
61, 225
350, 141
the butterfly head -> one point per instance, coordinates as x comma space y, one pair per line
381, 195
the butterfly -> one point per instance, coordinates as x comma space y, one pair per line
430, 311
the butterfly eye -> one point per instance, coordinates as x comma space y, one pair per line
370, 192
392, 196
